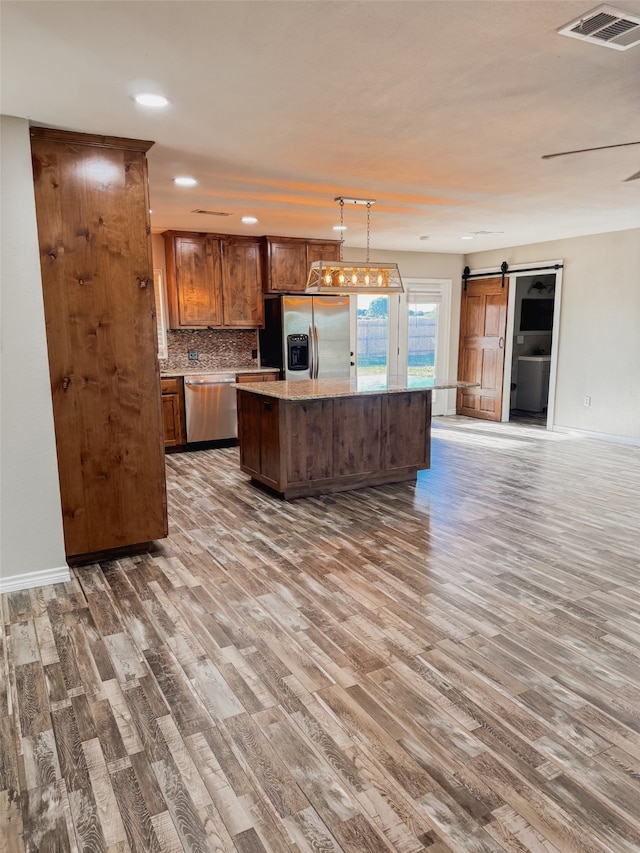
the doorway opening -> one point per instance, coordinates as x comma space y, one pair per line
532, 338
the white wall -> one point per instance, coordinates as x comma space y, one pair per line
599, 339
31, 543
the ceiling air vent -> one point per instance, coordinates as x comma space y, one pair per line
606, 26
210, 212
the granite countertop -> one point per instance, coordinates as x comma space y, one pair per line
314, 389
228, 371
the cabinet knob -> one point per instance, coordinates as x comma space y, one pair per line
267, 406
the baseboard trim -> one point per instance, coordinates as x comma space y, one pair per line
14, 583
599, 436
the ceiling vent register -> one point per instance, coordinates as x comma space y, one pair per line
606, 26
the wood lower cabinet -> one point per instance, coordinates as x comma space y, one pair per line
286, 261
92, 211
262, 376
300, 448
173, 413
213, 281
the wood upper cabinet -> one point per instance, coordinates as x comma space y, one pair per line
213, 280
286, 261
193, 282
242, 305
322, 250
92, 210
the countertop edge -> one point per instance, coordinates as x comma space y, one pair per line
227, 371
333, 389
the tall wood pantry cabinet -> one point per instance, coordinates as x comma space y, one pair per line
92, 210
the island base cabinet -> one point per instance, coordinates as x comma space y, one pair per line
300, 448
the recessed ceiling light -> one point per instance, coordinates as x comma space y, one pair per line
467, 237
149, 100
339, 227
185, 182
249, 220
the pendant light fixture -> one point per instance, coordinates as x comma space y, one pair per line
353, 276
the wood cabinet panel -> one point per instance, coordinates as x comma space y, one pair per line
213, 281
263, 376
309, 437
242, 304
173, 414
402, 443
286, 266
356, 435
249, 409
286, 261
197, 283
322, 251
97, 281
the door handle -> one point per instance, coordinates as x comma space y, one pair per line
312, 358
501, 343
317, 346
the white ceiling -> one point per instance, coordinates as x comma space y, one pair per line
438, 109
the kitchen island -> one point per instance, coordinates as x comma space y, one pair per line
316, 436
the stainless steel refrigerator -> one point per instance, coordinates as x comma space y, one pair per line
307, 337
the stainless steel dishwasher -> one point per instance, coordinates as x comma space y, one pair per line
210, 405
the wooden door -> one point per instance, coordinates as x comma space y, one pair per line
97, 279
483, 327
194, 283
242, 304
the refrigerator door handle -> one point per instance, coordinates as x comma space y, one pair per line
312, 353
316, 339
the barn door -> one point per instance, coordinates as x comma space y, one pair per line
483, 326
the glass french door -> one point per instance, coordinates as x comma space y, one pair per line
405, 335
374, 329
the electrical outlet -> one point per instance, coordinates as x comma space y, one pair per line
192, 354
254, 353
587, 401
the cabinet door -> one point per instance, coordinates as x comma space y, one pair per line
322, 251
287, 266
173, 412
242, 305
197, 283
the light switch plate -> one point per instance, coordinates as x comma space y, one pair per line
192, 354
520, 339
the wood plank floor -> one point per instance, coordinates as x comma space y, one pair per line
453, 666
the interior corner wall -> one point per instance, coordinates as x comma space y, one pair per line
32, 542
599, 338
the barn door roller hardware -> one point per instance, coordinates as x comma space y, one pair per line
504, 267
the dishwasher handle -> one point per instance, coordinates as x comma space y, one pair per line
197, 383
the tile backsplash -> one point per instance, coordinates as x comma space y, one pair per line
218, 349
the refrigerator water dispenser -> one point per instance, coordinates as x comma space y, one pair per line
298, 352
